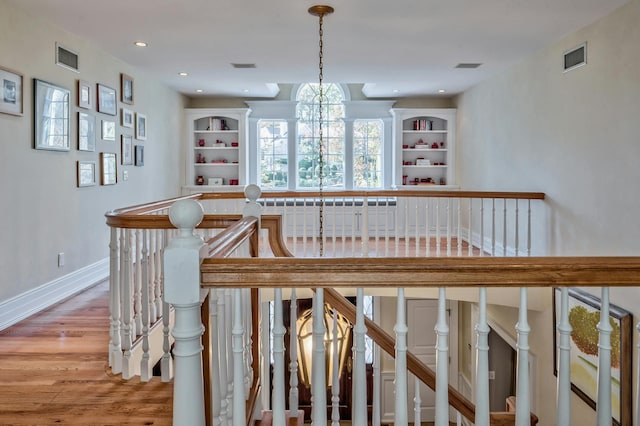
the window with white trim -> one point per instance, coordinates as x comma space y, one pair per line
273, 154
367, 154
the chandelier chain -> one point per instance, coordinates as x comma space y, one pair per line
321, 140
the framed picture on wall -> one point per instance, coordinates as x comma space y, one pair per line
86, 132
126, 89
127, 118
107, 102
85, 95
109, 167
10, 92
108, 130
127, 150
51, 106
86, 173
141, 127
139, 155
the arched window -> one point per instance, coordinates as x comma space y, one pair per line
308, 136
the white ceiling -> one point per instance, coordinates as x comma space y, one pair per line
411, 46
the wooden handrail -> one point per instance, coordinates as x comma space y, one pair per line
232, 237
422, 272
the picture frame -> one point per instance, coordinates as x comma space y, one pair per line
86, 172
126, 89
215, 181
141, 127
139, 160
584, 310
85, 95
126, 118
126, 146
11, 98
108, 130
86, 132
109, 168
107, 102
51, 116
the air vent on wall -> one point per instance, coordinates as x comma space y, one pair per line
66, 58
468, 65
575, 58
243, 65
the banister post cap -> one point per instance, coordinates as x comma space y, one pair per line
186, 214
252, 192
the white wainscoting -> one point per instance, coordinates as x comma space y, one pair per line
33, 301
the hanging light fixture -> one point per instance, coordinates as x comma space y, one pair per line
320, 11
304, 329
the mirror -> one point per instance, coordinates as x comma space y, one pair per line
51, 116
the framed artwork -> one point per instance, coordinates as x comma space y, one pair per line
584, 315
126, 89
86, 132
107, 102
126, 150
108, 130
51, 116
85, 95
139, 155
141, 127
10, 92
86, 173
109, 166
127, 118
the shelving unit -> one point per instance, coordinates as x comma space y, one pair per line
424, 142
216, 148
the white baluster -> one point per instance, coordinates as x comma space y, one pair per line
504, 226
222, 356
406, 227
359, 374
228, 319
248, 332
493, 227
293, 350
335, 379
523, 416
529, 228
517, 229
167, 359
438, 248
145, 366
470, 242
364, 229
127, 303
638, 382
603, 406
563, 413
215, 362
459, 225
401, 330
417, 404
417, 215
159, 250
442, 362
375, 415
137, 289
482, 359
239, 409
151, 275
318, 364
354, 226
333, 228
182, 289
277, 397
449, 226
115, 346
427, 231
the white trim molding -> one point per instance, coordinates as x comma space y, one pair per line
36, 300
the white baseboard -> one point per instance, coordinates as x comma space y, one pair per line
33, 301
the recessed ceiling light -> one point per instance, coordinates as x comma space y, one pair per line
396, 91
441, 91
245, 90
199, 90
183, 74
141, 43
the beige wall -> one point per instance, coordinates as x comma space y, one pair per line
573, 136
43, 212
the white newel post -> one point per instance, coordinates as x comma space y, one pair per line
360, 374
523, 416
401, 329
182, 289
482, 363
603, 407
563, 413
442, 362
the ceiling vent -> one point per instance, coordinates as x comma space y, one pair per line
468, 65
575, 58
243, 65
66, 58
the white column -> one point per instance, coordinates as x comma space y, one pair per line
115, 347
603, 407
482, 363
563, 413
239, 400
401, 330
360, 373
318, 364
442, 362
293, 350
277, 397
182, 289
523, 412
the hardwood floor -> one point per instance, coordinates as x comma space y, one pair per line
54, 370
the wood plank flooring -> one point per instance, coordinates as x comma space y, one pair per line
54, 370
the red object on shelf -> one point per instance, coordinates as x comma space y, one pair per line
201, 142
233, 181
234, 144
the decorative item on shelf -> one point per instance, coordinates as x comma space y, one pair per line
441, 144
434, 145
405, 146
404, 179
233, 181
443, 181
223, 161
234, 144
219, 144
200, 180
215, 181
200, 158
200, 142
423, 162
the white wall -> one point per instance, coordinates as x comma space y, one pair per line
43, 212
573, 136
